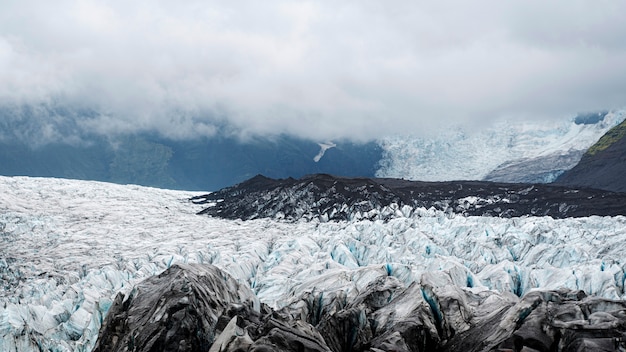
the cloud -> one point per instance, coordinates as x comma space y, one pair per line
321, 70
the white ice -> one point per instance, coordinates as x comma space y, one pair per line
460, 155
67, 247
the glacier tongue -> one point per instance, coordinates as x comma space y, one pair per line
68, 247
497, 153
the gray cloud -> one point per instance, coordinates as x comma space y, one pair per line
323, 69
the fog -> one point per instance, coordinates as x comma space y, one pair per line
321, 70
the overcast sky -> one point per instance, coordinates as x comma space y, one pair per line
321, 69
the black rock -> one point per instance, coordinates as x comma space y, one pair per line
327, 197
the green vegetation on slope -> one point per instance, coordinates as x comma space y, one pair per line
612, 136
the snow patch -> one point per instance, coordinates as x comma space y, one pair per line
323, 148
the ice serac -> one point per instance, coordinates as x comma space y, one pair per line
178, 310
201, 308
542, 169
327, 197
195, 307
548, 321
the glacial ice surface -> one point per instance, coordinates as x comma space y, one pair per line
68, 247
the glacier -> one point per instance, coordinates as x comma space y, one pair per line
69, 247
541, 149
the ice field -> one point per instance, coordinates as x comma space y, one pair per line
67, 247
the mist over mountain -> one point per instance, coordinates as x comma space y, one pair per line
55, 140
207, 164
319, 71
134, 93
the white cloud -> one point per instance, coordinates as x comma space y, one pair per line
323, 69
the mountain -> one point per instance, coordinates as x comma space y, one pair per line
60, 141
87, 265
198, 164
53, 140
603, 166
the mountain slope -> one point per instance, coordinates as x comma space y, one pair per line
199, 164
603, 166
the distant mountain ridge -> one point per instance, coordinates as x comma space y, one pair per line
53, 140
58, 141
202, 164
327, 197
603, 166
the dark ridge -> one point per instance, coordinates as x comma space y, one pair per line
603, 166
328, 197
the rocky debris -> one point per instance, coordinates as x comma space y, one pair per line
201, 308
326, 197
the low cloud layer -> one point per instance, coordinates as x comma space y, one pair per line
321, 70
